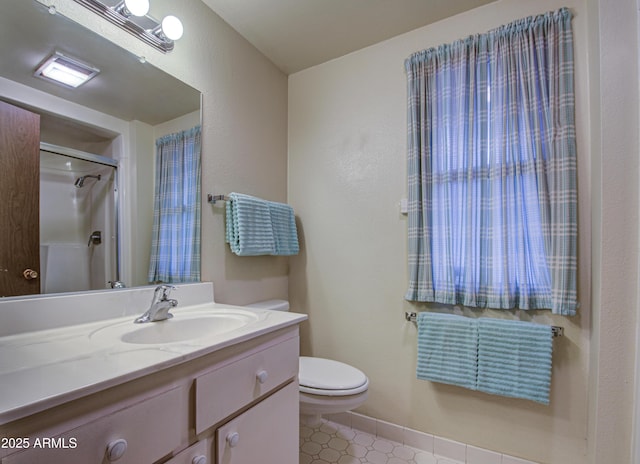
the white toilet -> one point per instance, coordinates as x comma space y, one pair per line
326, 386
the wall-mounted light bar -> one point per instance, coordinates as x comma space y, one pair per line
131, 15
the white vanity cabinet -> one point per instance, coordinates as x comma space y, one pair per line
236, 405
263, 433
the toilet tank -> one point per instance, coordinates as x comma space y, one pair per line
273, 305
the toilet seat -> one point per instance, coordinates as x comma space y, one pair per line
326, 377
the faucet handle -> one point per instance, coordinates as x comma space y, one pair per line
165, 289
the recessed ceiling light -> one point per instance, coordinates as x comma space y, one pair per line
67, 71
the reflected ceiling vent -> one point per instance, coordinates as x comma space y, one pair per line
131, 15
65, 70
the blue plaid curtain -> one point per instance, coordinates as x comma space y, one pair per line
492, 169
175, 245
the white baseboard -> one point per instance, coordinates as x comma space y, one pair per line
438, 446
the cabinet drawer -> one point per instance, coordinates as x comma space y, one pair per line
151, 429
223, 391
196, 454
266, 434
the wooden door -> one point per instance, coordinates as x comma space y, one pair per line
19, 200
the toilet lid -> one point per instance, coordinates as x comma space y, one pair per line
333, 377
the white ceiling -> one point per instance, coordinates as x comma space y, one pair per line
297, 34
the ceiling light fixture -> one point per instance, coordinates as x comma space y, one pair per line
65, 70
172, 27
133, 17
137, 7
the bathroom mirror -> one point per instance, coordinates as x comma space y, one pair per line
112, 119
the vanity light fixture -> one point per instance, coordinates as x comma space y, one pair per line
131, 15
66, 70
137, 7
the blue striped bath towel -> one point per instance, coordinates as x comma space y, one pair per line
514, 359
447, 349
249, 230
285, 234
258, 227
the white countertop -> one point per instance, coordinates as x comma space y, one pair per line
46, 368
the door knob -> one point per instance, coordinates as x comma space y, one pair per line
30, 274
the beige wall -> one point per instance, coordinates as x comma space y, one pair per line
244, 132
347, 173
615, 209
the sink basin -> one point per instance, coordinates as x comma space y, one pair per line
182, 327
179, 330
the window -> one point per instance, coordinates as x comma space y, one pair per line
492, 169
175, 246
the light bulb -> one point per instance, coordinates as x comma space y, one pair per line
137, 7
172, 27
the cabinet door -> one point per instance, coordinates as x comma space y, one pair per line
20, 205
266, 434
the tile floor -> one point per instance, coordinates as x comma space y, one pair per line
330, 443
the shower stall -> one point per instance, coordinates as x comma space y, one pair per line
78, 220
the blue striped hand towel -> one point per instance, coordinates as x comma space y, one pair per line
285, 234
249, 230
447, 349
514, 359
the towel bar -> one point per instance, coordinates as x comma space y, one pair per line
214, 198
556, 331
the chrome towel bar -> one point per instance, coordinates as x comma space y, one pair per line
213, 198
556, 331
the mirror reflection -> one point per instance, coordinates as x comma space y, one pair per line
78, 219
80, 214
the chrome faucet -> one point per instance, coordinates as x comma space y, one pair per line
160, 305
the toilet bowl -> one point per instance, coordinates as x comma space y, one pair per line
326, 386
